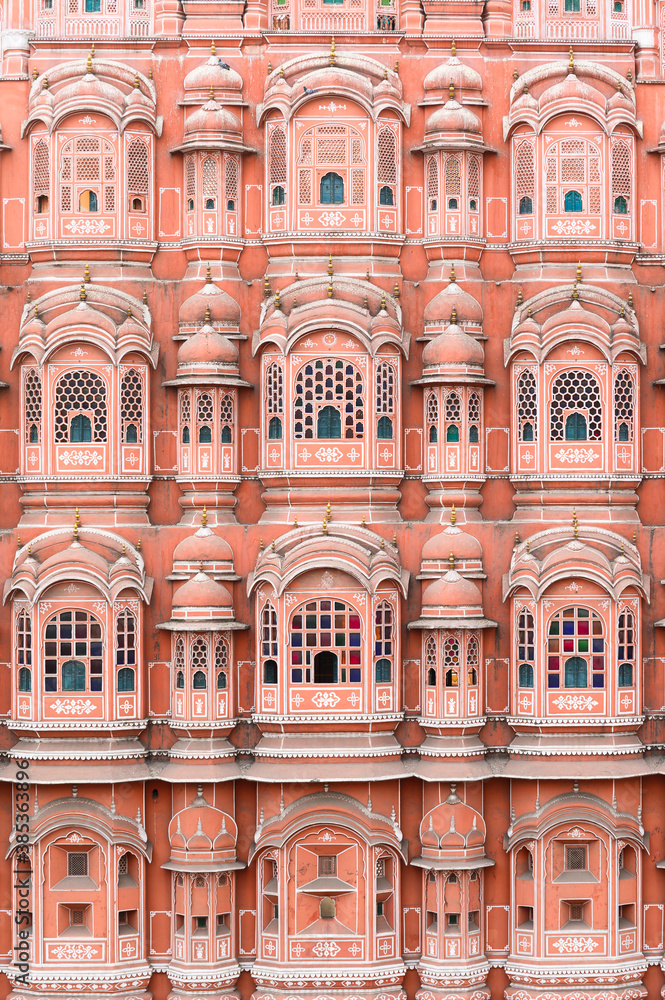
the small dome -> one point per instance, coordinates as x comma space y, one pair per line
575, 316
452, 297
452, 830
207, 348
452, 591
200, 828
211, 118
211, 73
202, 592
453, 347
223, 309
91, 88
571, 91
452, 71
82, 315
452, 117
130, 327
463, 546
75, 557
203, 546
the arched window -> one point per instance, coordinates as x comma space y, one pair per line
432, 418
453, 181
581, 632
575, 427
199, 664
87, 175
209, 180
525, 174
433, 183
472, 660
25, 680
274, 394
525, 678
572, 202
527, 407
386, 176
620, 205
317, 628
88, 201
32, 405
473, 417
386, 195
190, 183
80, 394
385, 399
327, 908
278, 166
270, 672
73, 640
473, 183
226, 418
137, 174
275, 429
231, 171
384, 428
623, 405
221, 664
452, 417
125, 650
577, 391
131, 407
451, 661
317, 385
204, 418
625, 675
179, 663
626, 648
41, 174
621, 176
383, 642
331, 189
268, 643
185, 417
430, 660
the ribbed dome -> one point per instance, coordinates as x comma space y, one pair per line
202, 592
212, 118
452, 539
452, 117
210, 74
452, 591
452, 829
223, 309
452, 71
452, 297
453, 347
208, 347
575, 316
204, 545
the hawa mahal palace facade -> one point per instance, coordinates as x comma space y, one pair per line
332, 451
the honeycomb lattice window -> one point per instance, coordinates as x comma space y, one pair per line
179, 662
385, 388
387, 157
473, 411
190, 178
576, 390
357, 187
200, 882
433, 177
268, 631
33, 406
451, 661
137, 167
230, 180
123, 865
109, 198
525, 171
81, 393
226, 418
221, 664
453, 177
623, 406
453, 408
275, 389
198, 661
304, 187
472, 655
473, 177
306, 148
185, 416
278, 156
527, 407
131, 407
576, 858
621, 170
209, 174
333, 386
205, 417
41, 169
430, 652
432, 409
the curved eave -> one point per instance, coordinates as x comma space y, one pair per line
454, 145
202, 866
454, 380
186, 380
463, 623
224, 144
202, 625
451, 864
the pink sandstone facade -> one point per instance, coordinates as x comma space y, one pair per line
332, 447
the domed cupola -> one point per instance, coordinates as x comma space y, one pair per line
453, 300
453, 835
465, 549
212, 126
203, 550
202, 838
452, 601
448, 126
221, 311
466, 81
215, 74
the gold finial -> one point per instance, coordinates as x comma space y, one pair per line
269, 68
150, 73
579, 270
278, 301
383, 543
204, 517
451, 91
86, 273
45, 83
453, 276
92, 49
571, 60
29, 548
332, 51
129, 312
77, 515
619, 86
296, 277
517, 538
212, 47
295, 522
364, 302
35, 73
36, 312
383, 302
138, 545
88, 63
630, 299
212, 93
397, 66
82, 294
385, 72
18, 541
76, 532
330, 264
124, 547
396, 289
453, 316
363, 519
451, 561
367, 275
453, 515
272, 545
325, 527
207, 316
281, 72
394, 538
330, 289
515, 75
261, 545
520, 299
266, 286
200, 565
137, 82
453, 48
623, 546
576, 294
145, 297
208, 274
29, 296
296, 302
574, 523
629, 76
328, 511
528, 545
